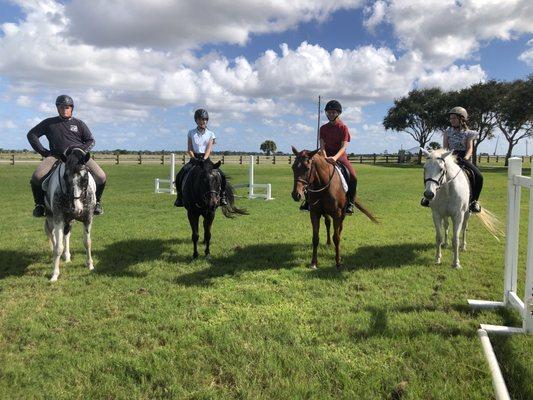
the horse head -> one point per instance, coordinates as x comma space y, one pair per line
435, 169
300, 168
76, 178
209, 184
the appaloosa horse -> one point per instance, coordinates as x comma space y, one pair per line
70, 195
201, 197
326, 196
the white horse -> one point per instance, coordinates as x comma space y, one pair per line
448, 190
70, 195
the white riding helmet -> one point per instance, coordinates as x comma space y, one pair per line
459, 111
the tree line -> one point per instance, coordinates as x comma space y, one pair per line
507, 106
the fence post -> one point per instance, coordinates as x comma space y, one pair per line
387, 159
374, 158
183, 159
12, 159
274, 160
497, 159
488, 159
479, 159
117, 161
222, 160
290, 159
140, 159
360, 159
162, 159
257, 159
240, 160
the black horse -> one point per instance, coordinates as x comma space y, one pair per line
201, 197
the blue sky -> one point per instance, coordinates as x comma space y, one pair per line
137, 73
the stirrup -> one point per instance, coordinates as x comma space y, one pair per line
350, 208
98, 209
424, 202
475, 207
38, 211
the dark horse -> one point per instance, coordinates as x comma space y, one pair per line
201, 197
326, 196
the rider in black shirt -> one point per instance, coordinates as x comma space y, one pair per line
62, 132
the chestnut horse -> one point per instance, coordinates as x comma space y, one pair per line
326, 196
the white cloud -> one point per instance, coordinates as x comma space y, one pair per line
186, 24
7, 124
444, 31
527, 56
376, 15
24, 101
453, 78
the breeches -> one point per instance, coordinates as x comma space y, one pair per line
344, 161
46, 165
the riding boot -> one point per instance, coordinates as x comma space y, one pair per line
179, 200
38, 198
98, 209
475, 207
223, 198
350, 204
424, 202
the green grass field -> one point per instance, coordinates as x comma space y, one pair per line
253, 322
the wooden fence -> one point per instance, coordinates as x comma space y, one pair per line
182, 158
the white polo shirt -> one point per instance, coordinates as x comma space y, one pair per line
200, 140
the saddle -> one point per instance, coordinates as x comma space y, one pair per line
471, 179
344, 174
46, 179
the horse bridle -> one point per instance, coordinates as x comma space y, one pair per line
62, 178
306, 182
438, 182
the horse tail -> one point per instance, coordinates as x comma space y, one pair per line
230, 210
491, 223
363, 209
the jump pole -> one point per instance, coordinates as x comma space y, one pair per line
172, 188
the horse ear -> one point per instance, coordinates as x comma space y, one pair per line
296, 152
312, 153
446, 154
217, 164
425, 152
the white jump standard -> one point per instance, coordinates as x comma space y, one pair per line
251, 185
510, 297
171, 189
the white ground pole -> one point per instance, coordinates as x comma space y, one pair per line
171, 189
516, 181
251, 185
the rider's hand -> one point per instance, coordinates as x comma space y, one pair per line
331, 160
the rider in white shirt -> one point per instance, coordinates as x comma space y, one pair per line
200, 141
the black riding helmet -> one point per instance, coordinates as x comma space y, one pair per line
333, 105
201, 114
64, 100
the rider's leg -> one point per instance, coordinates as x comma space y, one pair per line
477, 186
223, 199
179, 178
352, 185
36, 181
100, 179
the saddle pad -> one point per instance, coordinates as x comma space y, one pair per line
343, 180
46, 180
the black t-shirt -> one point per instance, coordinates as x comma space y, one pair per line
61, 134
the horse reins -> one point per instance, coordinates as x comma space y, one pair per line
442, 175
307, 183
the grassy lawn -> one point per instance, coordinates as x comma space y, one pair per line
253, 322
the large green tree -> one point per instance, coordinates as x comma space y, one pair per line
481, 102
515, 113
268, 147
418, 114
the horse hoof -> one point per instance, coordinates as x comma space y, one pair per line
66, 259
437, 261
457, 266
312, 266
208, 256
53, 279
339, 267
195, 256
463, 248
91, 267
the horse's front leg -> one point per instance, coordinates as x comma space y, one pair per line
437, 221
193, 221
457, 225
87, 242
464, 229
58, 248
49, 230
446, 224
208, 222
66, 243
337, 229
327, 222
315, 221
